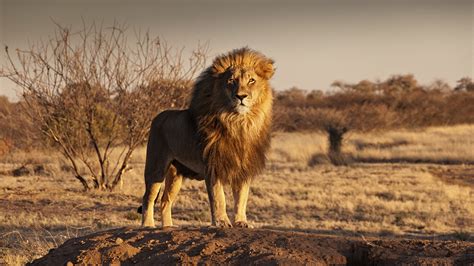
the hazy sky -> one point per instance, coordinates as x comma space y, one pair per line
312, 42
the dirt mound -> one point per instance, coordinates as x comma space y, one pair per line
250, 246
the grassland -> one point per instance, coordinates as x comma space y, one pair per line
438, 145
401, 184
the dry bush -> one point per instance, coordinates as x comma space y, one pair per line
92, 94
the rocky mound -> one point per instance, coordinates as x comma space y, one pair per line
129, 246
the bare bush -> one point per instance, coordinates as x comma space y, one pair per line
94, 95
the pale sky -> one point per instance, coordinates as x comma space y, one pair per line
312, 42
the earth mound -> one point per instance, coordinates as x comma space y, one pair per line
192, 246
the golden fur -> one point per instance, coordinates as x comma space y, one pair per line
222, 138
235, 144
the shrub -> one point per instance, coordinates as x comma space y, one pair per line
94, 96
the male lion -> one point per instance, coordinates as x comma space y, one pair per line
222, 138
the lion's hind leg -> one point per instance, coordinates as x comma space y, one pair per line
173, 183
148, 204
155, 168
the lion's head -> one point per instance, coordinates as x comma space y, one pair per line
236, 83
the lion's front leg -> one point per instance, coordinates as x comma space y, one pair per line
241, 194
215, 191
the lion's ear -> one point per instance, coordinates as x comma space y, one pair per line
265, 69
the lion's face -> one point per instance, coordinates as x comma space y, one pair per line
235, 86
242, 87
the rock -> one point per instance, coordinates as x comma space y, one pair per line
23, 171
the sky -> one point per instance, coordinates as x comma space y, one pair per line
313, 43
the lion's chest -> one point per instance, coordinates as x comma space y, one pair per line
233, 158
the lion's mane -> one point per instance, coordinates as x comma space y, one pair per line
233, 145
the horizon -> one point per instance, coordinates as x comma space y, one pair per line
312, 43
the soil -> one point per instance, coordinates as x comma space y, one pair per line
209, 246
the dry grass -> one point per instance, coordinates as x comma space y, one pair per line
295, 149
38, 213
436, 145
446, 145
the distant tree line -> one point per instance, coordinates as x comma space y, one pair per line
398, 102
16, 129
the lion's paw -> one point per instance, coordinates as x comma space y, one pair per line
169, 227
223, 224
242, 224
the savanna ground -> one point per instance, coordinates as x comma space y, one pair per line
403, 184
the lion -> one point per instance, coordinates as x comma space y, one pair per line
222, 138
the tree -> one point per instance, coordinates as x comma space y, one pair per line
398, 84
465, 84
439, 85
335, 114
291, 96
352, 111
94, 95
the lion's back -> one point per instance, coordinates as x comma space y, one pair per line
173, 134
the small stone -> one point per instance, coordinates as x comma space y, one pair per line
69, 263
118, 241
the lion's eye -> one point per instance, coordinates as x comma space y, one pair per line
251, 81
230, 80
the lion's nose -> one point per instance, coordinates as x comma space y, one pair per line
241, 97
